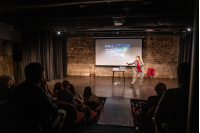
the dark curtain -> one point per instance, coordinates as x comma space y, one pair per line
59, 60
43, 47
185, 47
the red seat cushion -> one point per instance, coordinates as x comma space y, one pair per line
92, 117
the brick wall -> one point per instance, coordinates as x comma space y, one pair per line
159, 52
6, 62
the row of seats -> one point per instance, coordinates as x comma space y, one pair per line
76, 115
79, 113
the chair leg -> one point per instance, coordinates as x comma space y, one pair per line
152, 79
147, 79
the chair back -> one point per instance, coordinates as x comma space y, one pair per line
87, 113
153, 71
92, 70
150, 114
149, 72
92, 104
71, 111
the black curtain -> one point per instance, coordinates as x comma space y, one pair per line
59, 60
185, 47
44, 47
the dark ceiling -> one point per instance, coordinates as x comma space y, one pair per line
96, 17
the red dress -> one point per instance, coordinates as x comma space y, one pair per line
138, 67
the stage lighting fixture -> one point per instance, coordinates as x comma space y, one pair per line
188, 29
58, 32
118, 20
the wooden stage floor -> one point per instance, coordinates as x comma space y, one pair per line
103, 86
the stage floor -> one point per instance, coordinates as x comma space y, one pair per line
103, 86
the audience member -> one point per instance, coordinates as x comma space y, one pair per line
173, 106
29, 101
57, 87
6, 86
65, 94
45, 87
88, 96
153, 100
76, 95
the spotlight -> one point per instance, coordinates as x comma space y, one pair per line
188, 29
58, 32
118, 20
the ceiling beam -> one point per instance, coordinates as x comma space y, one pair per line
28, 6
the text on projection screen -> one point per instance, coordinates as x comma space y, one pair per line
116, 52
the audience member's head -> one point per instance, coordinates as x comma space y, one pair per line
57, 87
72, 90
6, 81
34, 72
160, 88
87, 93
183, 73
65, 84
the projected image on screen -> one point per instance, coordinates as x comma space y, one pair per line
116, 52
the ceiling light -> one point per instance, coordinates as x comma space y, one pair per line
118, 20
149, 30
58, 32
188, 29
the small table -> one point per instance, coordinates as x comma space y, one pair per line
118, 71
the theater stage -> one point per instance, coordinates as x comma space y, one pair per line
103, 86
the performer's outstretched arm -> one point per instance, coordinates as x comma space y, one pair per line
130, 63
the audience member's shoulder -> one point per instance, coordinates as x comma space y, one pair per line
28, 87
172, 91
175, 90
93, 96
153, 97
22, 85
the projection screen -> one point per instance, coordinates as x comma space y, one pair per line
116, 52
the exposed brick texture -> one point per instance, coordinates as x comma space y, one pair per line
159, 52
6, 63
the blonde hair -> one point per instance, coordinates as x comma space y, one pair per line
139, 57
6, 81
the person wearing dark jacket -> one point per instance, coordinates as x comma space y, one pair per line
153, 100
65, 94
173, 106
29, 101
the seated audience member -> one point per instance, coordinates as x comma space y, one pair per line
76, 95
153, 100
44, 86
6, 86
65, 94
88, 96
30, 102
173, 106
57, 87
